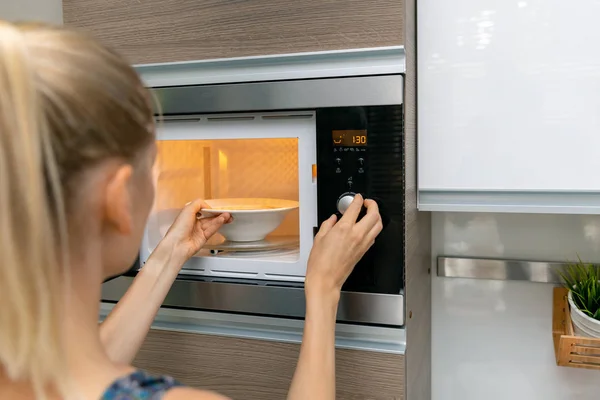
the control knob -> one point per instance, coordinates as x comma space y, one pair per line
344, 201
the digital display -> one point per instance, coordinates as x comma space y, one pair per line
350, 138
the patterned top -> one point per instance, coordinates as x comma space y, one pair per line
139, 386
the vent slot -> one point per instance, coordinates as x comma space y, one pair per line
231, 118
287, 116
178, 118
237, 274
283, 276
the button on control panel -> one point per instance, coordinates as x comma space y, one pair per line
349, 167
344, 202
344, 154
349, 162
338, 165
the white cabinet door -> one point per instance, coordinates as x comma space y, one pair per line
509, 105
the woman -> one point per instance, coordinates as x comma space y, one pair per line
77, 149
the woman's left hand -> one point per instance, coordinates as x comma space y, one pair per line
125, 328
188, 234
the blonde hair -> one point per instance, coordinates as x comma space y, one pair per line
66, 102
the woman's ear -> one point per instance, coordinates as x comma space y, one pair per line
118, 202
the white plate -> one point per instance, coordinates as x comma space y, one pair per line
253, 219
219, 243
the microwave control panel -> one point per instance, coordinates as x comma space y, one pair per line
361, 150
349, 155
342, 156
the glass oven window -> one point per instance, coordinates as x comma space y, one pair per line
226, 169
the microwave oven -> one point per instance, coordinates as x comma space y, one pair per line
316, 142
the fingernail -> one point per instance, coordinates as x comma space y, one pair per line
188, 203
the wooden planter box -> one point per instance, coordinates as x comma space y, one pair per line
571, 350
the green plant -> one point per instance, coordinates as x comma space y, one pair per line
583, 280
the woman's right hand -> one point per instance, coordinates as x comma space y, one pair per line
339, 246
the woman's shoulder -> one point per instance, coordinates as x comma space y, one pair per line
141, 385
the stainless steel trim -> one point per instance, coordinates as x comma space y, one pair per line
498, 269
557, 202
291, 115
359, 308
357, 337
282, 95
310, 65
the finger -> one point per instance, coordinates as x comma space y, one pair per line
371, 217
327, 225
197, 205
188, 214
369, 239
193, 208
210, 226
371, 235
374, 232
206, 221
204, 204
228, 216
353, 210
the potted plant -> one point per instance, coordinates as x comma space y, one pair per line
583, 282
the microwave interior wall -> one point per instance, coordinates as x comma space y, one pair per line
239, 156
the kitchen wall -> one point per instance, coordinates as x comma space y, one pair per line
494, 77
493, 339
38, 10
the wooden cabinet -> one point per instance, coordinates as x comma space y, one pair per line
262, 370
154, 31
